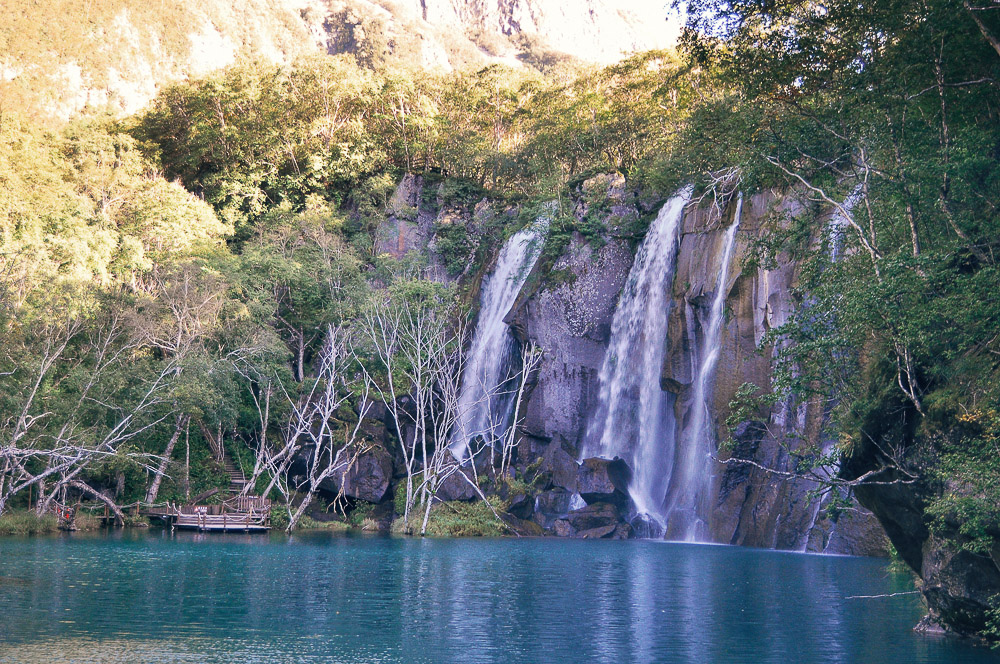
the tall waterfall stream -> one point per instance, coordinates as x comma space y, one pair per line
671, 470
493, 360
691, 486
634, 418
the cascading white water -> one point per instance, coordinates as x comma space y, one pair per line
493, 361
687, 513
838, 223
634, 418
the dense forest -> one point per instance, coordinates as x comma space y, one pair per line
204, 278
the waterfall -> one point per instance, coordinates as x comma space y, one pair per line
838, 223
493, 361
634, 418
688, 511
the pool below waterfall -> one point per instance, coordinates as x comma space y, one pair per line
161, 597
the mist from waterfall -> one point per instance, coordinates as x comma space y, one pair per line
493, 362
688, 509
634, 419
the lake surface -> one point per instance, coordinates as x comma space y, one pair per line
157, 597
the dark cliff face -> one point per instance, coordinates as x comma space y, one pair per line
567, 308
958, 584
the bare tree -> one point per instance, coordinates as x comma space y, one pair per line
308, 435
50, 439
412, 356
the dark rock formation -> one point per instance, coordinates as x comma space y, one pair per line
552, 505
367, 478
600, 480
569, 314
599, 532
562, 469
457, 486
562, 528
598, 515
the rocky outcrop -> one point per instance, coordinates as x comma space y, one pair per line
604, 481
553, 505
593, 30
598, 515
567, 307
459, 485
368, 478
570, 317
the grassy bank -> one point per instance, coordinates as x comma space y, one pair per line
26, 522
454, 519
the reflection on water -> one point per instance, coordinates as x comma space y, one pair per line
157, 597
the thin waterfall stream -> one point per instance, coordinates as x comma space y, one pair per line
836, 228
634, 419
688, 510
486, 399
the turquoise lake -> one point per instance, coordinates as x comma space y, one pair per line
156, 597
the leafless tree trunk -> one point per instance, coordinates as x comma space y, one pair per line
154, 488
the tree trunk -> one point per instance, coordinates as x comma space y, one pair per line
154, 488
430, 501
994, 42
86, 488
293, 520
42, 504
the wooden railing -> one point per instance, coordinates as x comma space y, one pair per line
248, 503
222, 522
248, 513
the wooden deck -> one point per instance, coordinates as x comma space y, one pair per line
237, 514
241, 514
242, 522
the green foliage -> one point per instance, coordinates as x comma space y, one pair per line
748, 403
969, 468
399, 497
886, 109
455, 519
279, 517
453, 244
992, 631
309, 523
361, 513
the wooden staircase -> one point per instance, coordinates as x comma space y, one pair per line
237, 513
237, 480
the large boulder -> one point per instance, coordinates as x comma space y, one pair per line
599, 532
597, 515
367, 478
522, 506
554, 504
562, 528
458, 486
603, 481
561, 467
620, 531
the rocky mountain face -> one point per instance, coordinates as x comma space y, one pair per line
591, 30
60, 58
